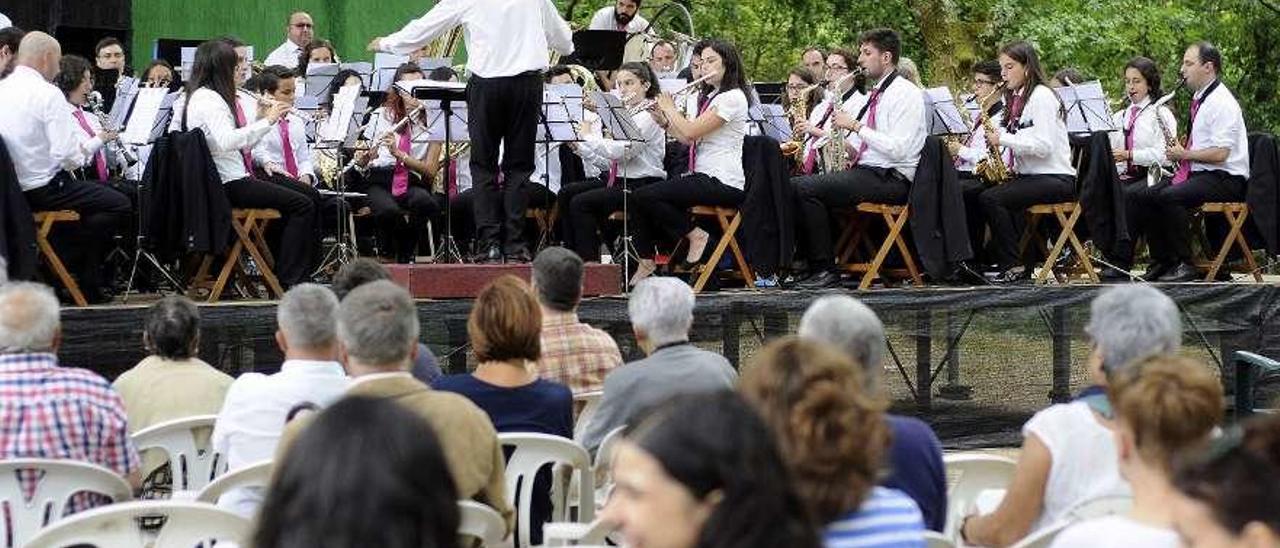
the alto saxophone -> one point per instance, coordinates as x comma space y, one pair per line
1156, 171
991, 169
835, 152
799, 110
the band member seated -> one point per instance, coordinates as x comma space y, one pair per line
317, 51
625, 165
715, 176
973, 149
9, 39
298, 32
814, 59
622, 16
1212, 167
42, 140
1035, 133
1139, 150
160, 74
344, 78
662, 59
882, 147
545, 181
75, 79
842, 93
214, 107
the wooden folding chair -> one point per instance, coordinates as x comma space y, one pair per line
44, 225
250, 226
1236, 214
729, 219
1067, 214
855, 234
546, 221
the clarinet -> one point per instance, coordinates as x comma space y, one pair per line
94, 103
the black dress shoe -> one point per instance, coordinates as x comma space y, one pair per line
964, 274
1156, 270
1011, 275
822, 280
519, 256
491, 255
1112, 274
1184, 272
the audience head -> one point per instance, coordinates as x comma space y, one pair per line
172, 330
1020, 67
357, 273
505, 323
851, 327
1201, 65
1227, 493
40, 52
831, 433
75, 79
109, 54
402, 497
317, 51
1164, 406
300, 29
661, 312
10, 37
703, 471
815, 60
1128, 323
1142, 79
29, 320
215, 67
307, 320
378, 328
557, 278
159, 74
879, 51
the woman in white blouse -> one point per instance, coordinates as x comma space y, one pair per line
625, 165
214, 109
715, 176
1035, 134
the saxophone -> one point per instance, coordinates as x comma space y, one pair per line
1156, 171
799, 110
835, 152
991, 169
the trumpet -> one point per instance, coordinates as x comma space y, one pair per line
646, 105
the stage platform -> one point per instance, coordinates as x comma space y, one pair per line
464, 281
974, 362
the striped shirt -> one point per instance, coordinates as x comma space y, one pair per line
888, 518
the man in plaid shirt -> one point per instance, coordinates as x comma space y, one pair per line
53, 412
573, 353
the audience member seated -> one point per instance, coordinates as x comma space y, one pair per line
402, 494
1069, 452
364, 270
915, 454
171, 382
503, 328
573, 353
378, 329
701, 470
661, 311
833, 437
49, 411
257, 406
1164, 407
1227, 495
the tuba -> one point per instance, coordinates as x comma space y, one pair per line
445, 46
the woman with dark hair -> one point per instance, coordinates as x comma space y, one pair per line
75, 79
715, 177
585, 207
317, 51
344, 78
702, 471
213, 108
1228, 496
393, 173
800, 79
160, 74
834, 438
1038, 155
10, 37
401, 496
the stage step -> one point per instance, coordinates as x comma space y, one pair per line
464, 281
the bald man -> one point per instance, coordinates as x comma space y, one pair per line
42, 139
299, 32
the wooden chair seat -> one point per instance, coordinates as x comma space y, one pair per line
855, 234
729, 220
1067, 214
44, 221
250, 226
546, 221
1236, 214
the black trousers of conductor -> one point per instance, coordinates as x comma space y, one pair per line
103, 212
585, 208
1004, 206
662, 209
502, 111
463, 212
816, 195
295, 256
1168, 224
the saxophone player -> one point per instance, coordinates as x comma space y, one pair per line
884, 140
973, 149
843, 95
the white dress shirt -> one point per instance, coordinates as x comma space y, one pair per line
974, 148
720, 152
379, 123
604, 20
901, 127
503, 37
1040, 145
286, 55
1148, 140
248, 105
5, 22
88, 141
209, 113
636, 159
38, 129
270, 150
1219, 123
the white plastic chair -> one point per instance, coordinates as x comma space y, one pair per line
481, 522
185, 524
590, 403
1044, 537
975, 474
1100, 507
257, 474
61, 479
532, 452
934, 539
192, 461
576, 534
604, 457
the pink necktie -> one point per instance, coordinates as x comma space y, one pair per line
811, 158
1184, 166
1128, 135
400, 176
290, 164
1015, 113
693, 148
244, 153
99, 159
613, 173
452, 183
871, 123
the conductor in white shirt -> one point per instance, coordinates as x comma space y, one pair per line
300, 32
622, 16
507, 43
4, 21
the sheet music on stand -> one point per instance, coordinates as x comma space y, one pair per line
572, 95
147, 116
944, 117
337, 128
556, 123
616, 117
188, 56
772, 120
672, 85
457, 122
1087, 108
126, 91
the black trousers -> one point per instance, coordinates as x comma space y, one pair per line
661, 209
463, 211
1137, 196
817, 194
401, 220
1004, 205
589, 204
971, 188
1168, 223
103, 212
502, 111
330, 210
296, 253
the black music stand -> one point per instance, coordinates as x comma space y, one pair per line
944, 116
597, 49
616, 117
345, 248
1086, 107
771, 120
445, 94
159, 127
556, 125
